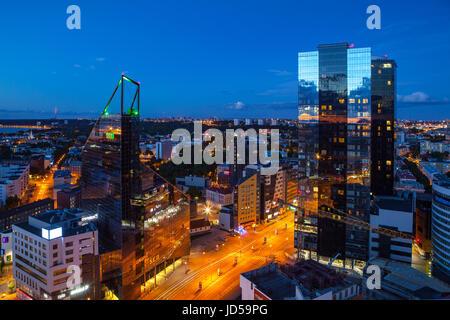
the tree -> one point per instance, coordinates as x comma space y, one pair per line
11, 286
194, 192
5, 152
12, 202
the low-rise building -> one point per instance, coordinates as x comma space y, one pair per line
47, 249
6, 253
21, 214
396, 214
227, 218
306, 280
185, 183
220, 195
61, 177
200, 226
398, 281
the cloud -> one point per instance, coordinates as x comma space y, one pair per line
236, 106
420, 97
77, 65
280, 72
100, 59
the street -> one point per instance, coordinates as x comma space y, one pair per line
218, 268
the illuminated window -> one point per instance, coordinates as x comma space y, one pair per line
388, 128
330, 107
388, 122
365, 100
389, 82
341, 101
387, 65
341, 140
351, 100
388, 162
379, 71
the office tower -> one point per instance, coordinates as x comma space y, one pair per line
143, 220
45, 247
383, 133
335, 115
440, 231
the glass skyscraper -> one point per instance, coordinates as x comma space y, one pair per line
143, 221
335, 120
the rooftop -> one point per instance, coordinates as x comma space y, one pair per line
61, 174
393, 203
270, 281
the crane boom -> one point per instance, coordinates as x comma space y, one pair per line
348, 219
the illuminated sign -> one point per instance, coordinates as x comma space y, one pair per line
51, 234
89, 218
110, 135
79, 290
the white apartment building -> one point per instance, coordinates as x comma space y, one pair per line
222, 196
428, 146
14, 179
46, 248
397, 214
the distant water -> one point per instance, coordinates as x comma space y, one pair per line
12, 130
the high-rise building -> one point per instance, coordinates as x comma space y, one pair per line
143, 220
440, 231
383, 115
335, 120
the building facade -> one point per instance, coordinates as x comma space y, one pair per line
247, 200
21, 214
47, 248
143, 220
396, 214
337, 93
440, 231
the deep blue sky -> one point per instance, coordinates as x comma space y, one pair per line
205, 58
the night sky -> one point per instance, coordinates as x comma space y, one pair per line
209, 58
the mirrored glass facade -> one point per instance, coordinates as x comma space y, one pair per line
335, 147
143, 221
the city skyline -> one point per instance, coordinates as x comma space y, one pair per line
217, 65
